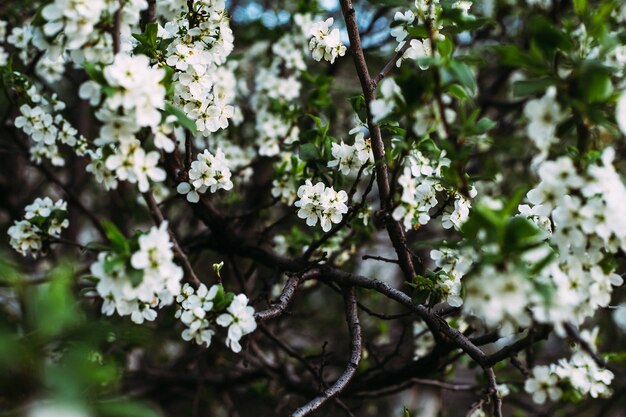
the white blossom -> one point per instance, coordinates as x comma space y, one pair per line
325, 43
239, 318
318, 202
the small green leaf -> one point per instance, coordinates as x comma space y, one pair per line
484, 125
457, 91
113, 262
530, 87
115, 236
135, 276
463, 74
94, 73
518, 233
309, 152
445, 47
182, 118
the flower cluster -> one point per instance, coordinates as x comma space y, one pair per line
350, 158
277, 87
134, 101
325, 43
403, 21
138, 277
500, 297
239, 318
544, 114
69, 23
583, 214
417, 48
285, 184
47, 129
200, 309
208, 172
453, 265
420, 182
43, 219
199, 45
321, 202
76, 27
577, 377
193, 308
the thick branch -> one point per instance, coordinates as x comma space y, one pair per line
355, 357
395, 231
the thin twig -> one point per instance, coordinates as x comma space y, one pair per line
286, 296
392, 62
493, 392
418, 381
379, 258
584, 344
355, 357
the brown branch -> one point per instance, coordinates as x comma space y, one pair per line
437, 325
151, 14
392, 62
355, 357
418, 381
394, 229
286, 296
584, 344
493, 392
117, 28
379, 258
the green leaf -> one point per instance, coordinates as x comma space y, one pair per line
615, 357
418, 32
457, 91
580, 6
484, 125
445, 47
222, 299
152, 29
530, 87
135, 276
594, 82
54, 308
518, 233
114, 262
463, 74
547, 37
94, 73
322, 127
115, 236
182, 118
309, 152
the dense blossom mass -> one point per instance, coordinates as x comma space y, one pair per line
461, 159
138, 285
